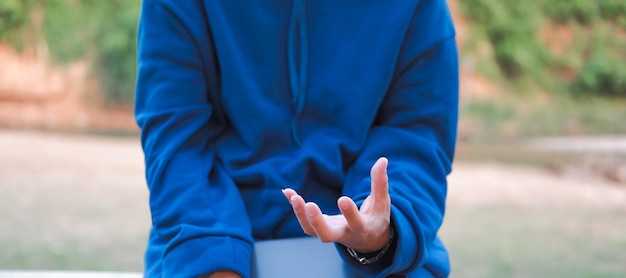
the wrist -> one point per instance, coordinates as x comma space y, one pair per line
375, 243
372, 257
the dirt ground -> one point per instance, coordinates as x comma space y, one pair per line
80, 202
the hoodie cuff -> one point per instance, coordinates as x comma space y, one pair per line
404, 257
205, 255
410, 248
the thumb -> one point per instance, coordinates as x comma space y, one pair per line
380, 183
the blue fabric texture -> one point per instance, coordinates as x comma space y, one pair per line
239, 99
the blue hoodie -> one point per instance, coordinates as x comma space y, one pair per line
237, 99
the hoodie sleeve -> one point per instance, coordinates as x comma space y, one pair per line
197, 211
416, 130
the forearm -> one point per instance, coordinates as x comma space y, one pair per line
188, 194
192, 232
416, 131
417, 186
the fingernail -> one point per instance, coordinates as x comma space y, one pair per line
344, 206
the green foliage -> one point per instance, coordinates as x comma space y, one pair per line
590, 63
14, 15
104, 31
613, 10
581, 11
117, 55
600, 74
67, 30
514, 53
512, 117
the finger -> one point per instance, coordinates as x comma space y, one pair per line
297, 203
351, 213
380, 182
317, 221
288, 192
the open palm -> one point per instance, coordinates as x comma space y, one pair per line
365, 229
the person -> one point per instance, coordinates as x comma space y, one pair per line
276, 118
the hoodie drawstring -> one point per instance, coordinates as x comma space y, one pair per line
297, 77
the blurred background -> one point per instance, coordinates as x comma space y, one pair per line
538, 187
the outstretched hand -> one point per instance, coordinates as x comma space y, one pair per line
365, 230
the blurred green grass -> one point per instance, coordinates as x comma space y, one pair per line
512, 118
508, 240
72, 254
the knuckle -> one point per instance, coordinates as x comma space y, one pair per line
299, 213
